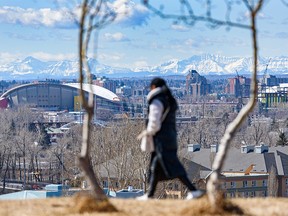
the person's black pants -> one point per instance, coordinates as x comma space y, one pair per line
156, 174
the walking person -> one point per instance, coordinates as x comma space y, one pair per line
160, 138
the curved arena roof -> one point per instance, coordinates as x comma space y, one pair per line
48, 95
96, 90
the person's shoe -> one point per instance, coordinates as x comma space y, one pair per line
195, 194
143, 197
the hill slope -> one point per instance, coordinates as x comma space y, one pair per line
125, 207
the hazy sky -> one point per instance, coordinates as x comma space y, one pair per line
138, 38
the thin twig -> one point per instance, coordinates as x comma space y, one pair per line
191, 19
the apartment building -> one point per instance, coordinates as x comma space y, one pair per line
252, 171
238, 86
196, 85
249, 171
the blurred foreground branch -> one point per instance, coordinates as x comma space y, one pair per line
94, 15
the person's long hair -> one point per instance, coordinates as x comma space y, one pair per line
159, 82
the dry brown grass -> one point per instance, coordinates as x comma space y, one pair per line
87, 206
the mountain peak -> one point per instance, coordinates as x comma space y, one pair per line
206, 64
30, 59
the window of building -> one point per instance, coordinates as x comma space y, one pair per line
252, 194
245, 184
264, 183
286, 192
286, 180
264, 193
233, 184
254, 184
105, 184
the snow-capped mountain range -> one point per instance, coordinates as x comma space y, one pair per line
32, 68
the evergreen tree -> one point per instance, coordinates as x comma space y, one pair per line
12, 127
125, 107
282, 141
32, 127
45, 139
132, 110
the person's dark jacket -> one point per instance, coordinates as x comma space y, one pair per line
165, 140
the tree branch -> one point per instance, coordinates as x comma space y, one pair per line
191, 19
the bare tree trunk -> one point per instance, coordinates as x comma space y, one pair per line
6, 162
273, 183
84, 160
190, 18
213, 185
85, 164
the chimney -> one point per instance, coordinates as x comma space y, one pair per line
193, 147
130, 188
247, 148
214, 148
261, 148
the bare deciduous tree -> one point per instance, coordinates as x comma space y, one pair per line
258, 132
117, 154
19, 144
94, 15
188, 17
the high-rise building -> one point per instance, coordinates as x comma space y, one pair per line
238, 86
105, 83
196, 85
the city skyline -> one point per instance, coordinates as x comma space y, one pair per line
137, 38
